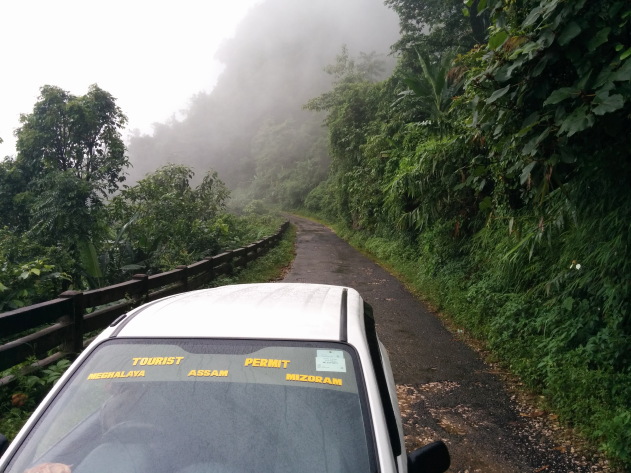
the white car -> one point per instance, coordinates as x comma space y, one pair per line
266, 378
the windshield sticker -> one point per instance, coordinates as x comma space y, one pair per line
306, 378
157, 360
331, 360
208, 373
117, 374
266, 363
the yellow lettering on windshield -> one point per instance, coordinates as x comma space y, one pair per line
208, 373
157, 360
266, 363
306, 378
117, 374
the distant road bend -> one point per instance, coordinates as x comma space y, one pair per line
446, 391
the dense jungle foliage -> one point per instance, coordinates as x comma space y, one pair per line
66, 222
496, 169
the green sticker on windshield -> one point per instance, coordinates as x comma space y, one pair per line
330, 360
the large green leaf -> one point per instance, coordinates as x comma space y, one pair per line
598, 39
532, 17
606, 103
89, 259
561, 94
571, 31
497, 39
624, 72
579, 120
525, 173
499, 93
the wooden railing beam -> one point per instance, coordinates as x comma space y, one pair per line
63, 322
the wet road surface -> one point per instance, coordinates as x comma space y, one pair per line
446, 390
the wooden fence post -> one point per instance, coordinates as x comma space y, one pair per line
74, 340
184, 278
211, 274
143, 296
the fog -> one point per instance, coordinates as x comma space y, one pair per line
151, 55
273, 66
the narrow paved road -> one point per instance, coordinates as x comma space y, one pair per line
446, 391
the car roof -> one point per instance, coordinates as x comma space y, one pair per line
288, 311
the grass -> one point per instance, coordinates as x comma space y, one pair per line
271, 267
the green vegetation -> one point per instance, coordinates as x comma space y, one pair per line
492, 168
164, 221
66, 223
495, 176
70, 157
270, 267
19, 398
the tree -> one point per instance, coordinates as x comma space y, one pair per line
77, 134
355, 108
436, 87
64, 210
439, 25
291, 159
70, 157
13, 207
163, 221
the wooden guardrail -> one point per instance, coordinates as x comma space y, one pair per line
64, 323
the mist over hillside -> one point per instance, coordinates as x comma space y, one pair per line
273, 65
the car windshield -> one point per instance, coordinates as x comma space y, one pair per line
190, 406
